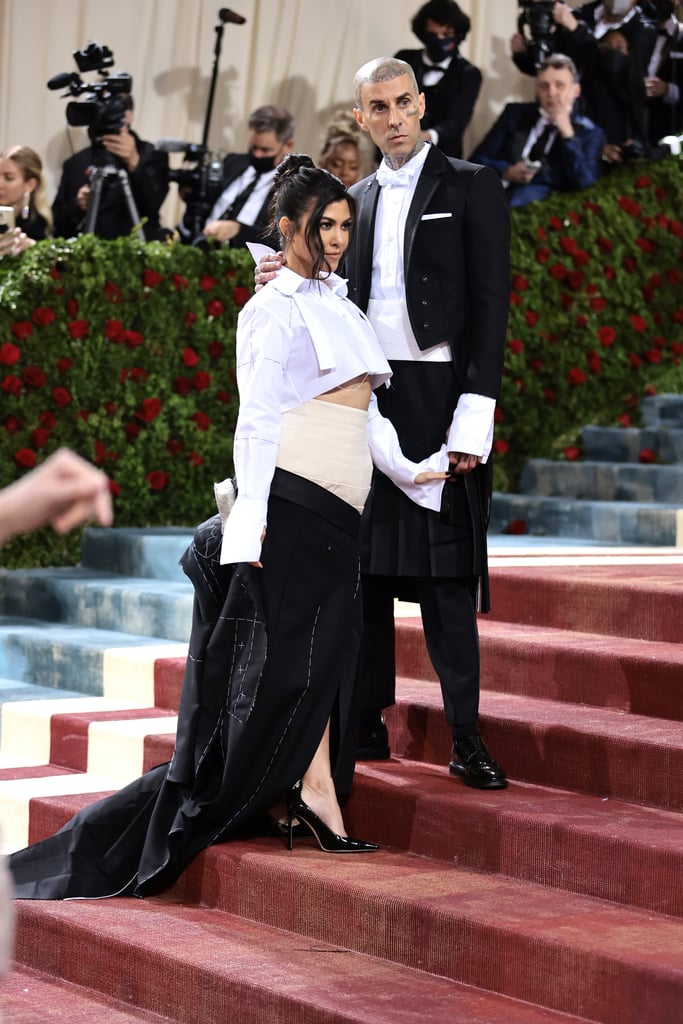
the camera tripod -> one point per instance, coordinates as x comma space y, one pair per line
99, 173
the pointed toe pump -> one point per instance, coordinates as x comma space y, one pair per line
328, 841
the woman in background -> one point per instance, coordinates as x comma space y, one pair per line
22, 187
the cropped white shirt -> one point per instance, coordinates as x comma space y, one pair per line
297, 339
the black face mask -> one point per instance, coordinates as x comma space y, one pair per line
439, 49
262, 164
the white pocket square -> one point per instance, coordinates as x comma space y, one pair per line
435, 216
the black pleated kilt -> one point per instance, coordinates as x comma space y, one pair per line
400, 538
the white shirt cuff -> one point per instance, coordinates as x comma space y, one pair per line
472, 427
242, 531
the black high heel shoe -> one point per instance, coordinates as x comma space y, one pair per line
328, 841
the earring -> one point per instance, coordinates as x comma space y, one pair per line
26, 208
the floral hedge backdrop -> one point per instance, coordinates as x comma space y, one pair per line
596, 313
125, 351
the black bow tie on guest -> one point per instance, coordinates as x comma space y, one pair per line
537, 151
239, 201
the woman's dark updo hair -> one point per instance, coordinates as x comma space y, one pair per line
301, 188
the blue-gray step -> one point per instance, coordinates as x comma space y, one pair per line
98, 600
603, 481
616, 444
609, 522
664, 410
150, 553
62, 656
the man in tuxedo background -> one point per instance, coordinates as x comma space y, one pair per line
429, 261
240, 213
664, 79
544, 147
450, 83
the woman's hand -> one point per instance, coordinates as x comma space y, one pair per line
259, 565
267, 267
14, 242
428, 476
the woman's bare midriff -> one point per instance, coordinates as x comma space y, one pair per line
354, 393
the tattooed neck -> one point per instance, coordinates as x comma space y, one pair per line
395, 162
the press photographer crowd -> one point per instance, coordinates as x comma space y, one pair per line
609, 81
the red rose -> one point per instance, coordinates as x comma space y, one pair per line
609, 274
605, 244
624, 420
566, 300
581, 321
61, 397
114, 488
580, 258
658, 341
531, 317
132, 339
64, 365
536, 365
520, 283
571, 453
567, 244
109, 408
195, 459
646, 245
78, 328
542, 255
112, 292
575, 279
137, 373
151, 278
216, 350
594, 364
498, 415
516, 527
515, 299
34, 377
43, 315
83, 414
174, 447
12, 385
597, 303
182, 386
54, 274
179, 282
114, 331
635, 360
676, 349
9, 354
501, 447
677, 316
549, 396
638, 323
240, 295
558, 271
630, 206
149, 409
224, 397
201, 380
576, 376
672, 275
157, 480
676, 228
40, 437
189, 357
629, 264
214, 308
206, 282
71, 308
47, 419
100, 452
607, 336
555, 223
642, 181
132, 430
655, 280
12, 424
21, 329
190, 319
647, 455
201, 420
25, 458
516, 346
652, 355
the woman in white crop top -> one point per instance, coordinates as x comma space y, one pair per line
309, 428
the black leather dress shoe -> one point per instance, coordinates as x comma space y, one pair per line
471, 762
373, 740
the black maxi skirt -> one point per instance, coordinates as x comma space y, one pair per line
271, 658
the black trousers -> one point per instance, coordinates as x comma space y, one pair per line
449, 617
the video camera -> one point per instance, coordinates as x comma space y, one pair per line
537, 16
201, 185
104, 109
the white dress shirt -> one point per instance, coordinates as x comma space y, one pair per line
471, 429
297, 339
254, 203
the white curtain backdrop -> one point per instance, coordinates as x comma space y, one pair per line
298, 53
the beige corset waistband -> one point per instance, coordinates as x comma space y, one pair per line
327, 443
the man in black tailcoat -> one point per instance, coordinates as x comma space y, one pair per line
429, 261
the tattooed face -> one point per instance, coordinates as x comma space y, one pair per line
391, 113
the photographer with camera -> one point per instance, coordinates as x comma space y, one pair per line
240, 214
147, 171
544, 147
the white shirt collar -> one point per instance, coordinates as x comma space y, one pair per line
288, 282
405, 175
